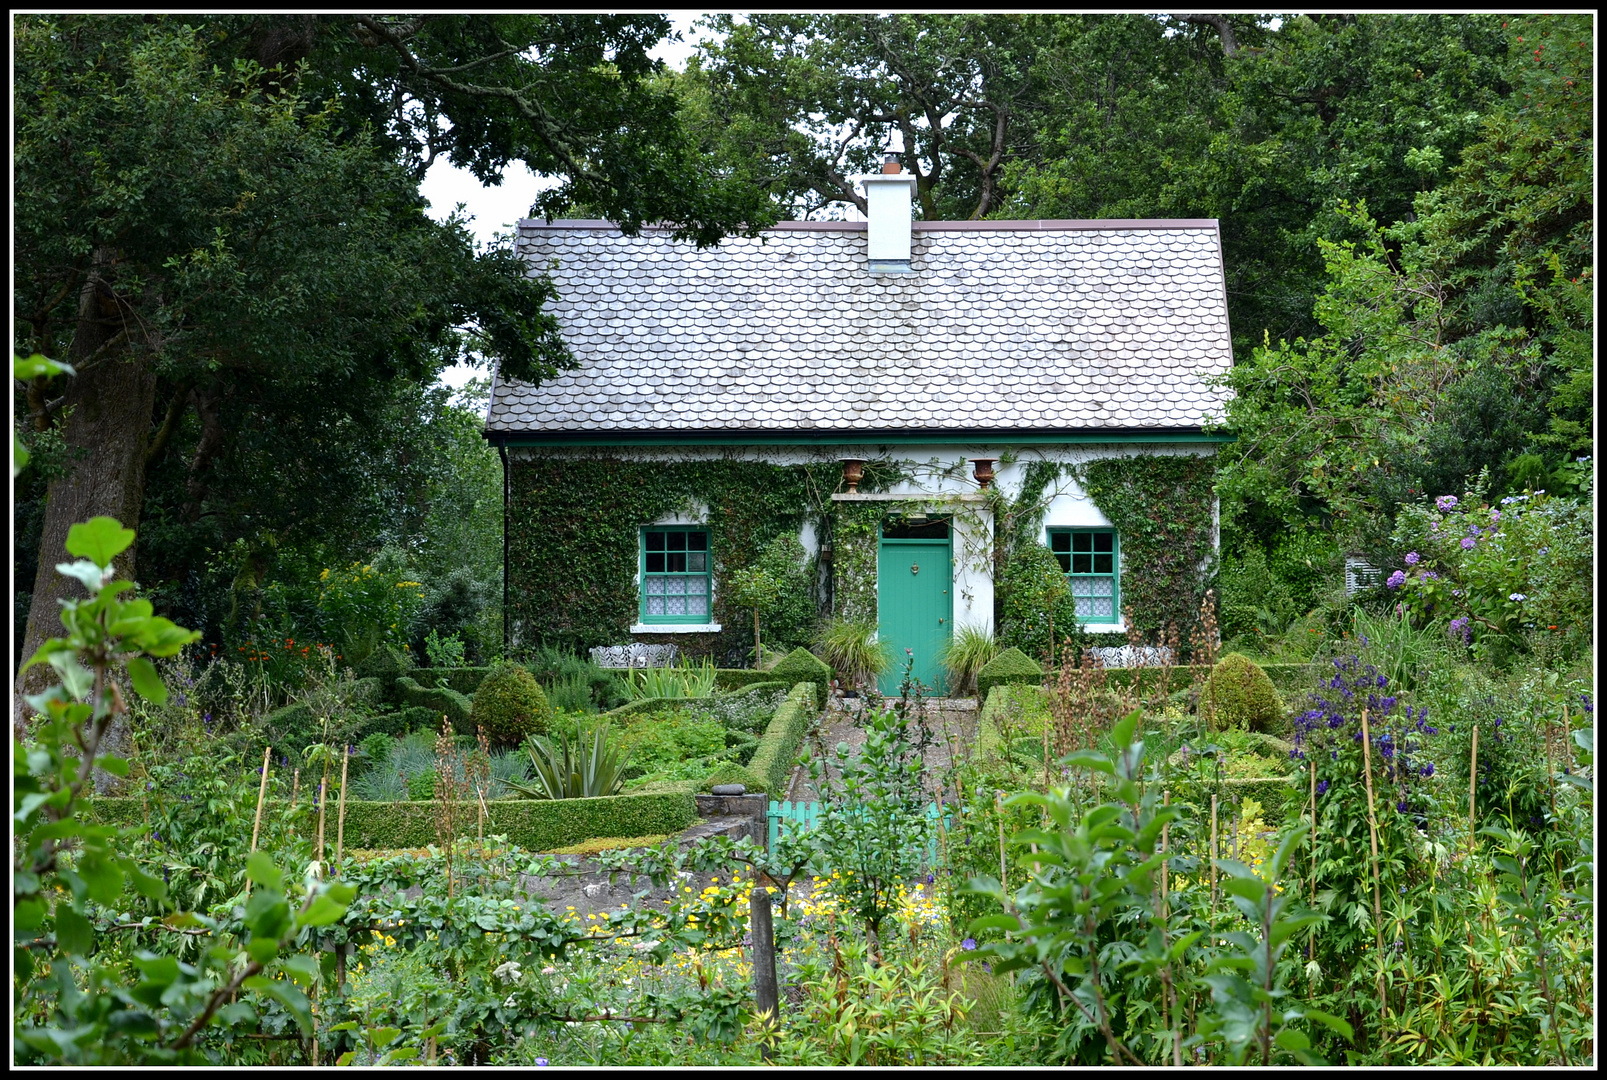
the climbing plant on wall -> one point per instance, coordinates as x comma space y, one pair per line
1161, 506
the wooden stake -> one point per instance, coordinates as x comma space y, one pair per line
1372, 832
1473, 788
1166, 800
323, 799
765, 991
1311, 767
1212, 860
262, 793
998, 809
340, 815
295, 789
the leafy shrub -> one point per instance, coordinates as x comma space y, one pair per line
1238, 694
572, 694
1035, 602
443, 652
510, 705
440, 700
1009, 666
366, 606
850, 647
1253, 600
386, 664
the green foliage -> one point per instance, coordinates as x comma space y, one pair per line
1504, 576
1096, 883
441, 701
364, 608
801, 665
1035, 605
510, 705
851, 649
783, 737
589, 767
443, 652
1008, 666
591, 509
681, 680
1238, 694
778, 588
875, 832
386, 664
966, 653
69, 873
1161, 506
1253, 601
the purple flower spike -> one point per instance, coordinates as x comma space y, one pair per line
1322, 787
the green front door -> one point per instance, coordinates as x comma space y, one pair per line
914, 601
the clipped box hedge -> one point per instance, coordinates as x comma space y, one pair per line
440, 700
461, 680
1283, 676
989, 729
534, 824
1010, 666
771, 765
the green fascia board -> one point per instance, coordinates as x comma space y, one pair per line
874, 438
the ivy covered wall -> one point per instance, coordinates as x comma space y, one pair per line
573, 536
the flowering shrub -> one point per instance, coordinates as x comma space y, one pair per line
1498, 573
364, 608
1328, 736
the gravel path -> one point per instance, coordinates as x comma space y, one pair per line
950, 719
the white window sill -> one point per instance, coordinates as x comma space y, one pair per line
1105, 628
675, 628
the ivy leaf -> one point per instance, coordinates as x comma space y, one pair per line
100, 539
147, 682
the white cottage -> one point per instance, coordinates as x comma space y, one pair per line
917, 403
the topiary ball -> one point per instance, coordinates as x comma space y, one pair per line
510, 705
1239, 694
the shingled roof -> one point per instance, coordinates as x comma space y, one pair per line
1006, 326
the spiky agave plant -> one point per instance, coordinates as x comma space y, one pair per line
585, 767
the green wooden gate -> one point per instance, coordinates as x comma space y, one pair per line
915, 601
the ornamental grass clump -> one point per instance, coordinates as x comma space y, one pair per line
510, 705
1239, 694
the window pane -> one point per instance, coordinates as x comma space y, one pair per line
697, 561
1081, 587
1102, 587
655, 605
1103, 541
1059, 541
697, 541
1102, 563
1064, 559
1082, 564
677, 541
1101, 608
1082, 542
655, 586
655, 562
675, 605
655, 541
675, 562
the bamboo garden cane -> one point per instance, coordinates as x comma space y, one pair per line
1372, 833
262, 793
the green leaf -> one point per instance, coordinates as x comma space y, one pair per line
147, 683
1332, 1023
28, 915
100, 539
163, 971
76, 678
303, 969
262, 949
28, 804
260, 869
115, 765
32, 367
383, 1036
74, 934
347, 1058
324, 910
287, 995
406, 1053
1292, 1040
147, 885
19, 456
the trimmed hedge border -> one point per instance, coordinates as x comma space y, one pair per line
1283, 676
989, 737
534, 824
461, 680
782, 738
439, 700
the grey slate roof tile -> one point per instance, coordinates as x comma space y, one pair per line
1041, 327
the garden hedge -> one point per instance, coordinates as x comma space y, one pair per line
783, 737
801, 665
402, 722
534, 824
463, 680
989, 732
1283, 676
439, 700
1010, 666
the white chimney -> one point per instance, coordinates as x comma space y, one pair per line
887, 213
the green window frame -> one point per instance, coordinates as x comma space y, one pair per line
1091, 561
677, 574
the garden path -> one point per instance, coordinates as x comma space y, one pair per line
953, 720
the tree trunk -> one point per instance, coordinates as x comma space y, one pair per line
109, 421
